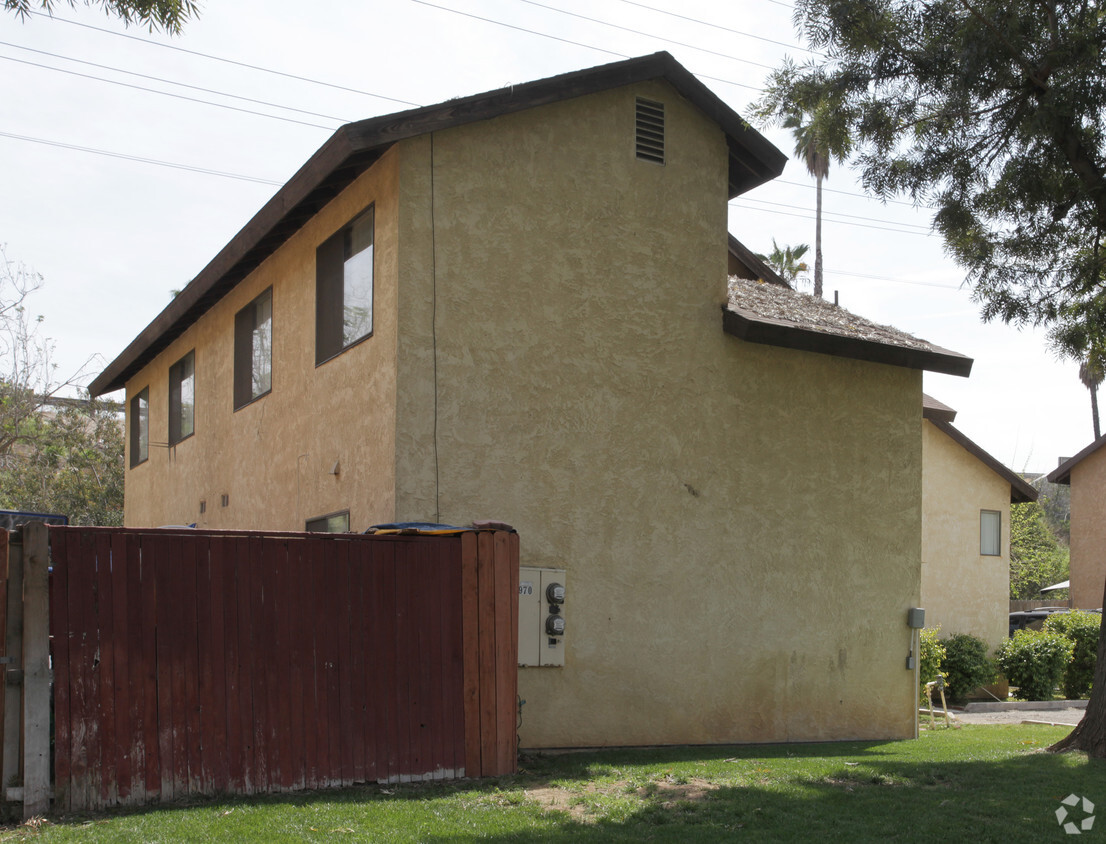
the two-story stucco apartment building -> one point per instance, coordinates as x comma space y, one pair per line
515, 306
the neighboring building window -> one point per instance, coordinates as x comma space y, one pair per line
140, 427
334, 523
182, 398
344, 288
253, 350
990, 533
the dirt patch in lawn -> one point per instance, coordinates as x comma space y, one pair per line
664, 793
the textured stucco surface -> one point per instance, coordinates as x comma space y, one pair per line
273, 458
963, 591
1088, 531
703, 494
740, 524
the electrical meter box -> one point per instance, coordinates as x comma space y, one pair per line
541, 616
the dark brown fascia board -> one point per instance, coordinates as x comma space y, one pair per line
936, 410
756, 329
1062, 473
1021, 490
355, 146
749, 258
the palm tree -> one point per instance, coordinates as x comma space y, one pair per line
1091, 374
818, 138
787, 262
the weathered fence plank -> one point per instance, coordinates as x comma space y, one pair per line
197, 663
36, 662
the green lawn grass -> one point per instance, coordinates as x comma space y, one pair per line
979, 783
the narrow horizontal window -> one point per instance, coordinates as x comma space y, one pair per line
332, 523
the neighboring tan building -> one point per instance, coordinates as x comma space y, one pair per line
536, 328
966, 498
1086, 475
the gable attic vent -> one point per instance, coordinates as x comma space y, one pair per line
650, 131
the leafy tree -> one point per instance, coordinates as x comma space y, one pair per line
74, 465
167, 15
820, 135
1037, 559
994, 113
787, 262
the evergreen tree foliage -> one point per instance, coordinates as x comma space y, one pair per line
993, 112
167, 15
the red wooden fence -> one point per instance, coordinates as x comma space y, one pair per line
197, 662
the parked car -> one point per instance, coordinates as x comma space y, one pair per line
1034, 619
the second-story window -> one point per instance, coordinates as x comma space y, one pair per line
990, 533
140, 427
182, 398
253, 350
344, 287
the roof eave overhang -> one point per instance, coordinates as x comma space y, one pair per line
354, 147
1021, 491
1062, 473
757, 329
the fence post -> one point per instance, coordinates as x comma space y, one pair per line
36, 666
13, 676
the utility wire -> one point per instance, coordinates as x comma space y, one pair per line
168, 94
568, 41
141, 160
646, 34
719, 26
225, 60
839, 222
839, 214
169, 82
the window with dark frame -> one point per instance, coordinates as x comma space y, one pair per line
344, 287
253, 350
182, 398
990, 533
331, 523
140, 427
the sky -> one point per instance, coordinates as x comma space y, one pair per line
130, 159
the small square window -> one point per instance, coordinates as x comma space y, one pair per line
182, 398
990, 533
344, 288
253, 350
334, 523
140, 427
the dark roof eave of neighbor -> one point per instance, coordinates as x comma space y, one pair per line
353, 148
757, 329
1062, 473
1021, 491
933, 409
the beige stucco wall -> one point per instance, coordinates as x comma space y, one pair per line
740, 524
273, 458
1088, 531
963, 591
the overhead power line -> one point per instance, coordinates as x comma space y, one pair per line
839, 222
258, 68
719, 26
127, 157
925, 229
166, 82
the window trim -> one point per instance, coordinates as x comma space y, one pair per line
244, 327
139, 445
326, 518
176, 403
330, 261
997, 527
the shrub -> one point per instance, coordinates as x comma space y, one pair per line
1081, 628
966, 666
930, 655
1034, 661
